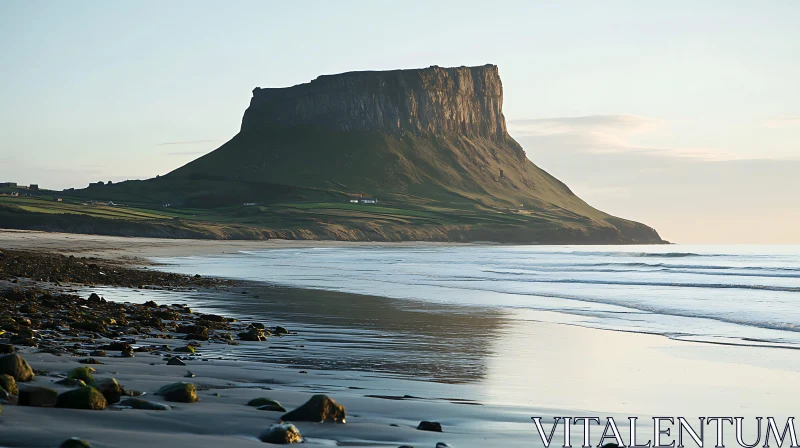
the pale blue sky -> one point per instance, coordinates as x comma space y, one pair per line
688, 91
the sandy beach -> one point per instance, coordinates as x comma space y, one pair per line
481, 373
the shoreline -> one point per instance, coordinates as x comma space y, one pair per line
359, 350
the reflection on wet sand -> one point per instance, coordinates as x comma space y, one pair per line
341, 331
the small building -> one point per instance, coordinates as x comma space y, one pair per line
354, 201
8, 185
34, 187
247, 204
368, 201
15, 193
56, 198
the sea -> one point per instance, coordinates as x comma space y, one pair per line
739, 295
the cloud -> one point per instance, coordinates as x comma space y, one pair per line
188, 142
606, 134
184, 153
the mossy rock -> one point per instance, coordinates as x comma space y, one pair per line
266, 404
83, 398
9, 384
75, 443
15, 366
281, 434
85, 374
187, 349
179, 392
320, 408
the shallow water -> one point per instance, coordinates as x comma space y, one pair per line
484, 318
728, 294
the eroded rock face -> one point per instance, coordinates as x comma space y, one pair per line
461, 100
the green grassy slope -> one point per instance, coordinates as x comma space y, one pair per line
437, 188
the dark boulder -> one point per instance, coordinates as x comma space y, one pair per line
37, 396
179, 392
6, 349
82, 398
94, 298
320, 408
253, 334
175, 362
17, 367
281, 434
430, 426
266, 404
112, 390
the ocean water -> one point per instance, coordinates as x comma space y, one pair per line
740, 295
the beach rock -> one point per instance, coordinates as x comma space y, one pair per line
253, 334
121, 346
320, 408
97, 353
85, 374
175, 362
266, 404
23, 341
94, 298
281, 434
82, 398
212, 318
71, 382
6, 349
9, 384
187, 349
37, 396
138, 403
198, 333
179, 392
430, 426
17, 367
75, 443
280, 331
111, 390
90, 361
442, 445
87, 325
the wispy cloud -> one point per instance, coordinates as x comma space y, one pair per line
184, 153
188, 142
606, 134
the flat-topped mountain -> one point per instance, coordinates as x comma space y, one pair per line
462, 100
379, 155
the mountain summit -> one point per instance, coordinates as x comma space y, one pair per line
370, 156
464, 100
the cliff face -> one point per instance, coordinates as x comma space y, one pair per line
462, 100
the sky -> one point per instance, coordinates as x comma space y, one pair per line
683, 115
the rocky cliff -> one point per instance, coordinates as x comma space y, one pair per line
462, 100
